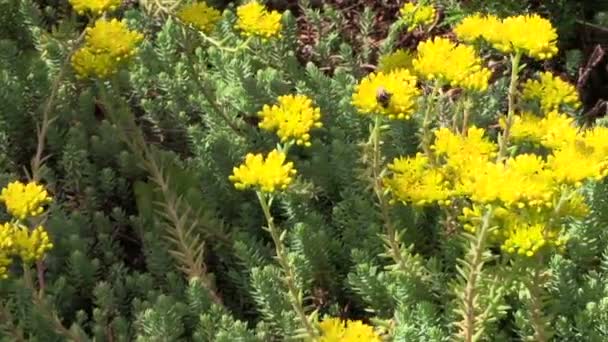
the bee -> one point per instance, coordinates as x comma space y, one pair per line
383, 96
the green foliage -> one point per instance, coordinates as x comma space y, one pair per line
152, 242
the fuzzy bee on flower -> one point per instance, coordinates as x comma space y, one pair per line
383, 97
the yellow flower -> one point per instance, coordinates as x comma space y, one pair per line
292, 118
519, 232
112, 37
589, 155
520, 182
6, 248
573, 164
400, 59
108, 45
31, 245
416, 15
335, 330
463, 153
525, 238
457, 65
553, 131
97, 7
200, 15
393, 94
477, 26
5, 262
414, 180
552, 92
87, 64
24, 200
268, 175
528, 34
255, 20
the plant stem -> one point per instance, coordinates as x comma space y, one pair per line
541, 333
377, 169
189, 246
43, 308
475, 264
10, 328
426, 123
42, 129
504, 140
295, 294
207, 94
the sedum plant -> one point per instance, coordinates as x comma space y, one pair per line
187, 175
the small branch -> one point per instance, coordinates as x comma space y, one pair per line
42, 129
504, 139
537, 320
378, 186
295, 294
11, 329
207, 93
426, 123
190, 247
47, 312
469, 324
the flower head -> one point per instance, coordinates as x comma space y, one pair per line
292, 118
400, 59
477, 26
266, 174
523, 181
552, 92
31, 245
336, 330
416, 15
413, 180
527, 238
199, 15
457, 65
24, 200
87, 64
513, 36
393, 94
463, 153
108, 45
553, 131
96, 7
255, 20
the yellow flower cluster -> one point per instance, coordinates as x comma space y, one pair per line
519, 182
417, 15
335, 330
96, 7
16, 239
552, 92
553, 131
476, 26
414, 180
512, 34
199, 15
24, 200
292, 118
524, 190
520, 233
108, 45
393, 94
400, 59
255, 20
266, 174
449, 63
461, 153
587, 150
